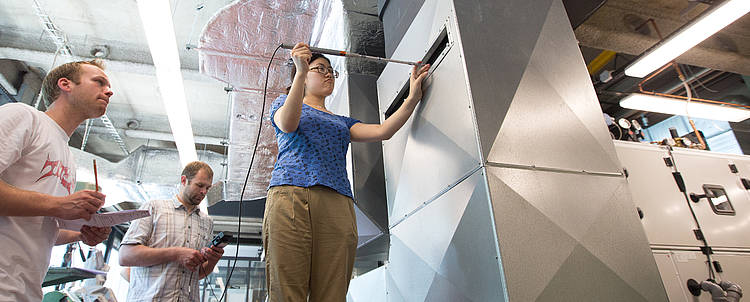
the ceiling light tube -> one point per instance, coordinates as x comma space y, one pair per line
688, 36
159, 29
675, 106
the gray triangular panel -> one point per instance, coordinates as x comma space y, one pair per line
497, 45
566, 71
618, 240
573, 202
583, 277
429, 231
442, 140
471, 262
442, 290
392, 291
554, 120
412, 277
532, 247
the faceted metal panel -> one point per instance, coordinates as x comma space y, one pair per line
554, 119
367, 158
702, 167
447, 251
366, 228
551, 236
369, 287
497, 39
341, 103
439, 147
443, 119
422, 33
666, 213
560, 233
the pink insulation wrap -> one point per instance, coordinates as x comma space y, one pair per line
235, 48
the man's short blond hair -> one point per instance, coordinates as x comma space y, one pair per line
71, 71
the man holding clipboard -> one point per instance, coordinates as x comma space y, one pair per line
37, 176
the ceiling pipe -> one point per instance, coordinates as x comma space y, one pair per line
695, 76
42, 58
161, 136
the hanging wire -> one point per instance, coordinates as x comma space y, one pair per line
699, 81
249, 168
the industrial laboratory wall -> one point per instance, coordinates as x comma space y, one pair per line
504, 185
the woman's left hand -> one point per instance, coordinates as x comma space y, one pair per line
415, 82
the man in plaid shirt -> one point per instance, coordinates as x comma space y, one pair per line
168, 249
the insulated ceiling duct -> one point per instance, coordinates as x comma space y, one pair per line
235, 47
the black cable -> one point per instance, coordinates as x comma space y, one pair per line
706, 248
252, 159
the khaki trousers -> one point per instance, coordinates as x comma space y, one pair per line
309, 240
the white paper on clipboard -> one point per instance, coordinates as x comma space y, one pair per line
103, 219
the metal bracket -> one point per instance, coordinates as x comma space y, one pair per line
668, 162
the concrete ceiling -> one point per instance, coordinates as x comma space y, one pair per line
117, 26
613, 27
724, 57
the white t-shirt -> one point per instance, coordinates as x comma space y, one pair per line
34, 157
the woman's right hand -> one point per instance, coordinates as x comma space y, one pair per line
301, 55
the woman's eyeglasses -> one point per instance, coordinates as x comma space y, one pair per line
324, 71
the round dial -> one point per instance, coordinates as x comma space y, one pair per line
636, 125
624, 123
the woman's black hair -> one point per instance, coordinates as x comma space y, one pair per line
293, 72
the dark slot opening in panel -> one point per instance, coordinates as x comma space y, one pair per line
441, 43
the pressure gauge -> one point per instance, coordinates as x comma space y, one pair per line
624, 123
636, 125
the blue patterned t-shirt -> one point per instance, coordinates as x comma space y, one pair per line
315, 153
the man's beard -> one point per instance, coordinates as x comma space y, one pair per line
194, 201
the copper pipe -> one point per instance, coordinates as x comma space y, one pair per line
696, 99
682, 77
656, 28
699, 135
690, 79
679, 71
651, 76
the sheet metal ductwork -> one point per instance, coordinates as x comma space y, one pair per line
147, 173
504, 185
235, 47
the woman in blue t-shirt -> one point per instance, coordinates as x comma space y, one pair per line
309, 225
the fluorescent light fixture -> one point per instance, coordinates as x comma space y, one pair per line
690, 35
157, 24
675, 106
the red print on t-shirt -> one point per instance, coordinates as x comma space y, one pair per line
56, 168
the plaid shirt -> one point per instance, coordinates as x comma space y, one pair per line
169, 225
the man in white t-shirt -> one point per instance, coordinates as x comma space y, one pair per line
37, 176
